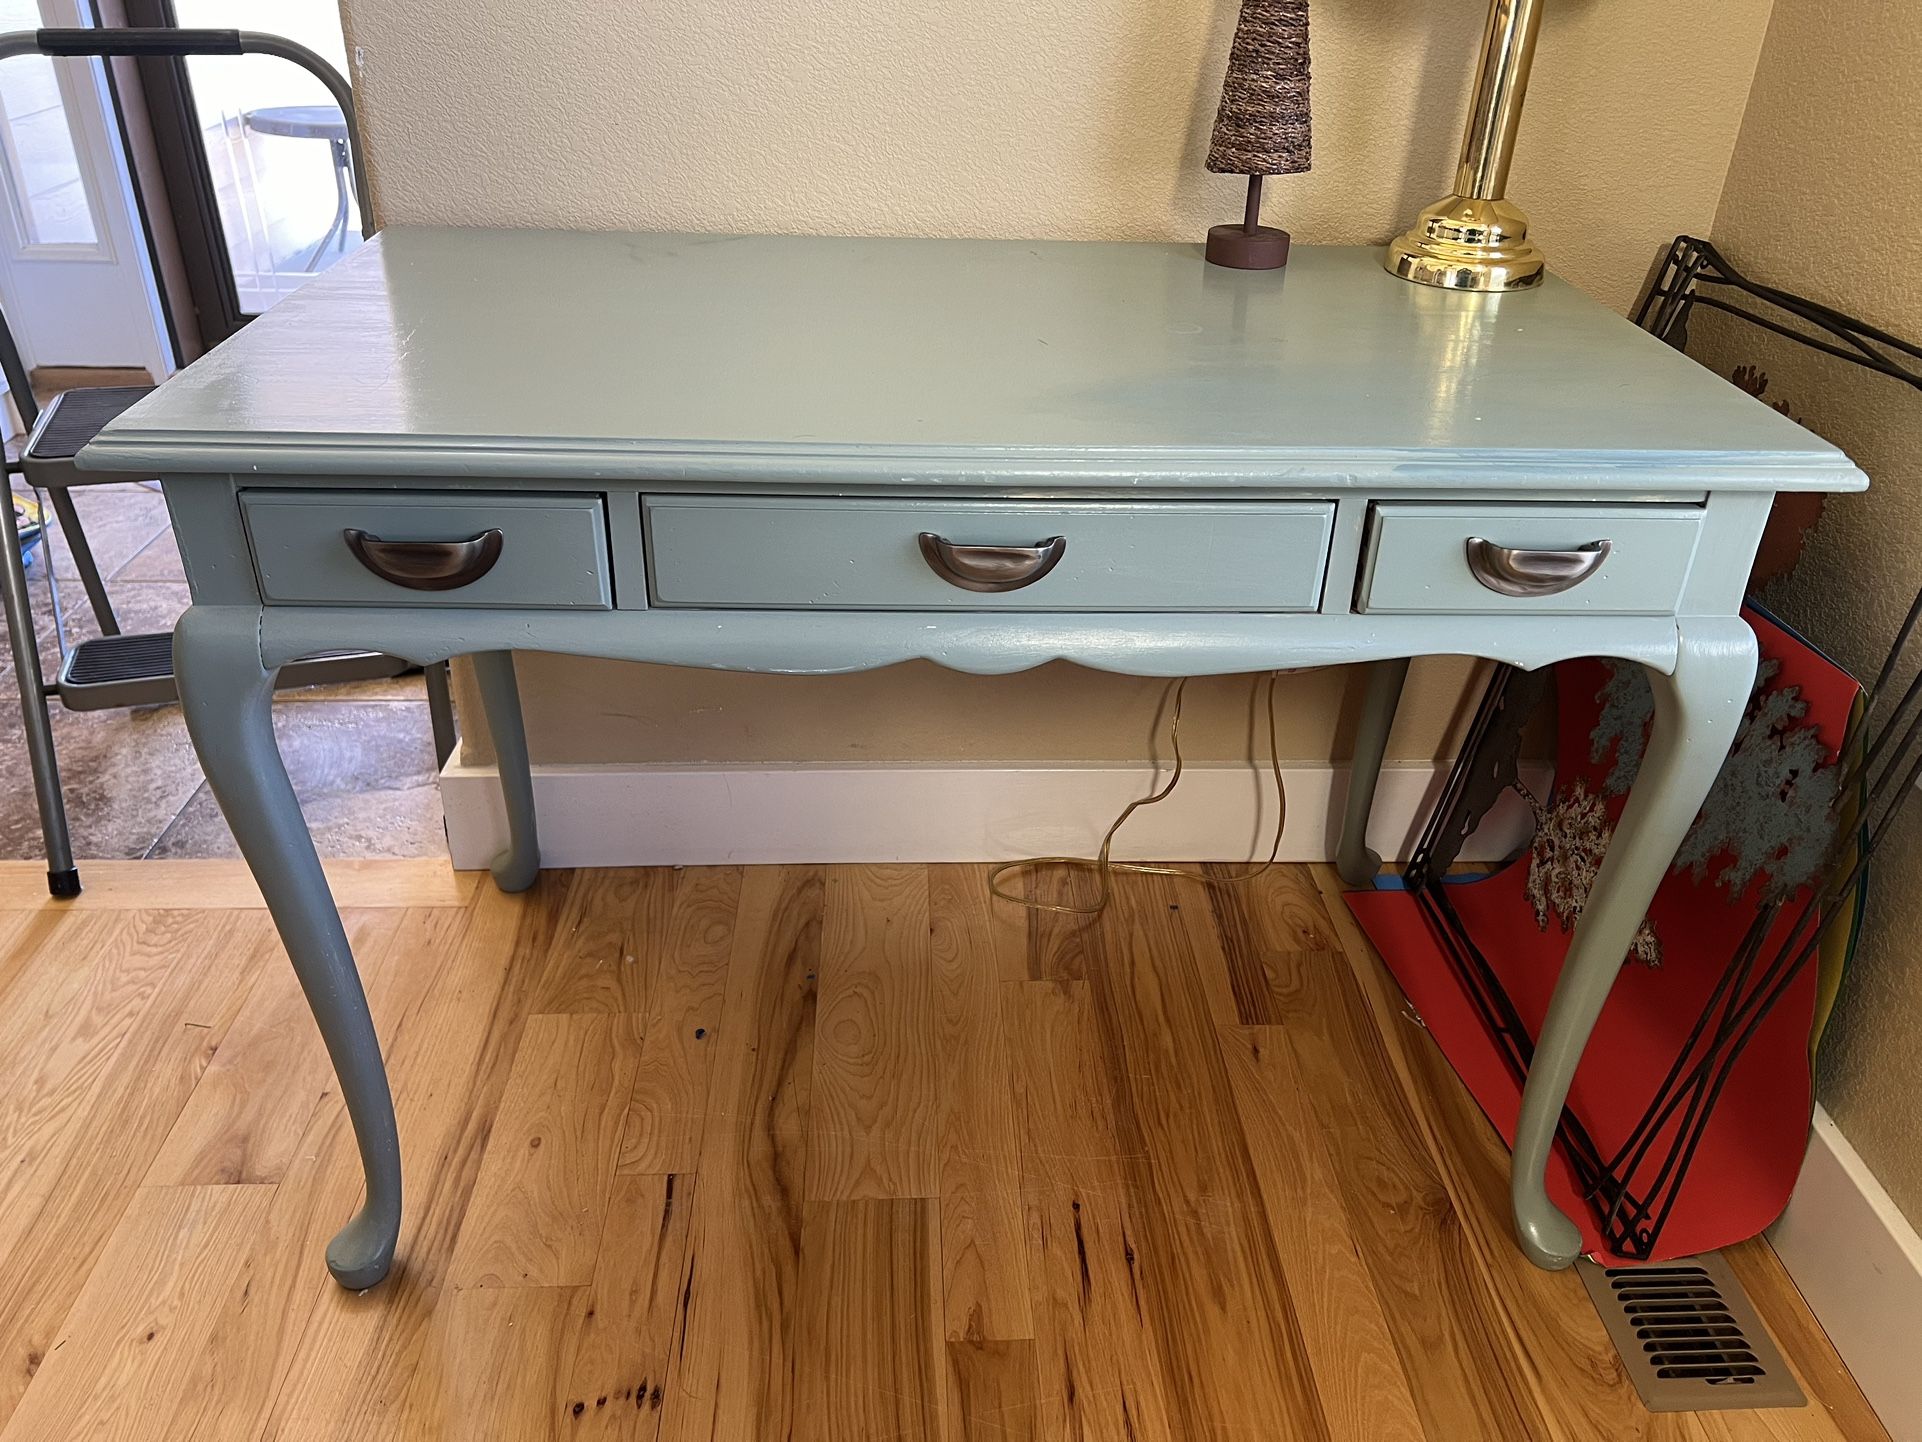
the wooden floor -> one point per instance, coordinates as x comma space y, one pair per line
776, 1153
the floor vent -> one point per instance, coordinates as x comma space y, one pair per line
1689, 1337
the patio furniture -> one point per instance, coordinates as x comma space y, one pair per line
312, 122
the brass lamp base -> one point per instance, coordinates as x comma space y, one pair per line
1461, 243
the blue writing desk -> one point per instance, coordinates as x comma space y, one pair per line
811, 455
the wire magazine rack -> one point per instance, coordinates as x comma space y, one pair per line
1632, 1188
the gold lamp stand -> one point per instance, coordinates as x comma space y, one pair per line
1475, 239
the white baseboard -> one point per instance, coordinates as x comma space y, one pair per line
1858, 1263
694, 815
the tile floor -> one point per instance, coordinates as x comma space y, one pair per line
361, 755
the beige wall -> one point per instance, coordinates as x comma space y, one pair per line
1006, 117
1823, 196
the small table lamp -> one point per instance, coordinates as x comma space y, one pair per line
1262, 127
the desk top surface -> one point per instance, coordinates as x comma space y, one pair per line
824, 361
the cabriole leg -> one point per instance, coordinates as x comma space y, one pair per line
227, 697
1698, 711
516, 868
1357, 864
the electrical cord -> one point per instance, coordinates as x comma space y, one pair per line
1103, 864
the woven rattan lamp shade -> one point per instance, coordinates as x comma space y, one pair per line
1262, 127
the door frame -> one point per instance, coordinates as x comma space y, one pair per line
168, 98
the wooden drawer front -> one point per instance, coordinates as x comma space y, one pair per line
867, 555
553, 548
1418, 557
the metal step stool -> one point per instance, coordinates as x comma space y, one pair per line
138, 670
114, 669
120, 670
117, 669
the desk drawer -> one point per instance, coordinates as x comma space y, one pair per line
985, 555
1600, 560
338, 548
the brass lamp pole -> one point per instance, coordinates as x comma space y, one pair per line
1475, 239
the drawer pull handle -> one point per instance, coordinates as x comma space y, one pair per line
427, 565
991, 568
1515, 572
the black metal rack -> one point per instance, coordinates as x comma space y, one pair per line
1633, 1190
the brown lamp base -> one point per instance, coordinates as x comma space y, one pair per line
1241, 247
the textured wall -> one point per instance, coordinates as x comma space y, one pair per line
1822, 198
1007, 117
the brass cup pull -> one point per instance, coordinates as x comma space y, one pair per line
1515, 572
991, 568
427, 565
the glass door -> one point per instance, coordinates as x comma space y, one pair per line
255, 156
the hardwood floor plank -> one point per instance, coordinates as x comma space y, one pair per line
733, 1373
87, 1182
1007, 924
253, 1104
535, 1216
264, 1318
121, 1359
222, 885
1231, 1345
1453, 1336
1351, 1350
22, 933
667, 1113
1189, 1190
984, 1284
1838, 1408
620, 1336
493, 1366
870, 1363
609, 940
1242, 948
992, 1392
449, 1062
354, 1375
876, 1093
1059, 943
1192, 904
69, 974
75, 999
1554, 1344
1097, 1359
452, 1069
1799, 1424
1556, 1341
256, 1346
1289, 919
